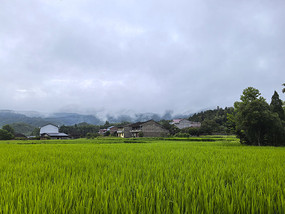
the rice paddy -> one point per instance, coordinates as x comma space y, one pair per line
155, 176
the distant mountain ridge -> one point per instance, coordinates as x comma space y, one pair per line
37, 119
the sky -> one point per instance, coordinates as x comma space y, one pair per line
90, 56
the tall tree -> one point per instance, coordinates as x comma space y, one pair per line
256, 124
283, 90
276, 106
250, 94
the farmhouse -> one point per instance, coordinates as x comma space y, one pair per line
142, 129
111, 129
184, 123
51, 131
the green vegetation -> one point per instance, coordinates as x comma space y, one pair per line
83, 130
109, 175
6, 133
257, 122
23, 128
213, 121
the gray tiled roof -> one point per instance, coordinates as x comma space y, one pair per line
57, 134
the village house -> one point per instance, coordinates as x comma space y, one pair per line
111, 129
102, 131
184, 123
142, 129
52, 132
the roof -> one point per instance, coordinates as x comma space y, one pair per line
48, 125
177, 120
141, 123
136, 124
57, 134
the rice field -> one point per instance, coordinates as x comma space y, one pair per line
150, 176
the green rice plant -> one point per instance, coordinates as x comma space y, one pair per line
158, 176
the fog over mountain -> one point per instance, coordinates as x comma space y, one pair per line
37, 119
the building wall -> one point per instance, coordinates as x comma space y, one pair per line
49, 129
127, 132
183, 124
152, 129
187, 124
120, 132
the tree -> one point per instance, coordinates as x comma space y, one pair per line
283, 90
219, 116
170, 127
9, 129
193, 131
5, 135
107, 124
250, 94
256, 124
140, 134
107, 133
36, 132
209, 127
276, 106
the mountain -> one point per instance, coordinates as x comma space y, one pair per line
23, 128
36, 119
9, 117
73, 118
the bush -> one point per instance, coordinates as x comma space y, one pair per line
182, 134
92, 135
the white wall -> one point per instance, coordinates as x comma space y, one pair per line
49, 129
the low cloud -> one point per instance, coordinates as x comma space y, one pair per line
145, 56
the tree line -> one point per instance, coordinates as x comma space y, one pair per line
255, 122
252, 119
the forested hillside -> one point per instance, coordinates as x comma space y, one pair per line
213, 121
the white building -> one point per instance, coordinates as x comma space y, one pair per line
49, 129
52, 132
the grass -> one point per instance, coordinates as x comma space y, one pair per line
108, 175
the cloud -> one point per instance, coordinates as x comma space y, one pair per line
144, 56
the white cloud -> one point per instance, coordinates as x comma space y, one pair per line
138, 55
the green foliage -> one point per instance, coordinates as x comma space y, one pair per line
140, 134
106, 125
181, 134
92, 135
283, 90
22, 128
250, 94
231, 124
170, 127
194, 131
107, 133
80, 130
209, 127
276, 106
256, 123
213, 121
9, 129
5, 135
89, 176
35, 132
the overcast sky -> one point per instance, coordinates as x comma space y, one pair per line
138, 55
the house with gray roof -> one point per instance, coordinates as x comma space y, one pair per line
146, 129
184, 123
52, 132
